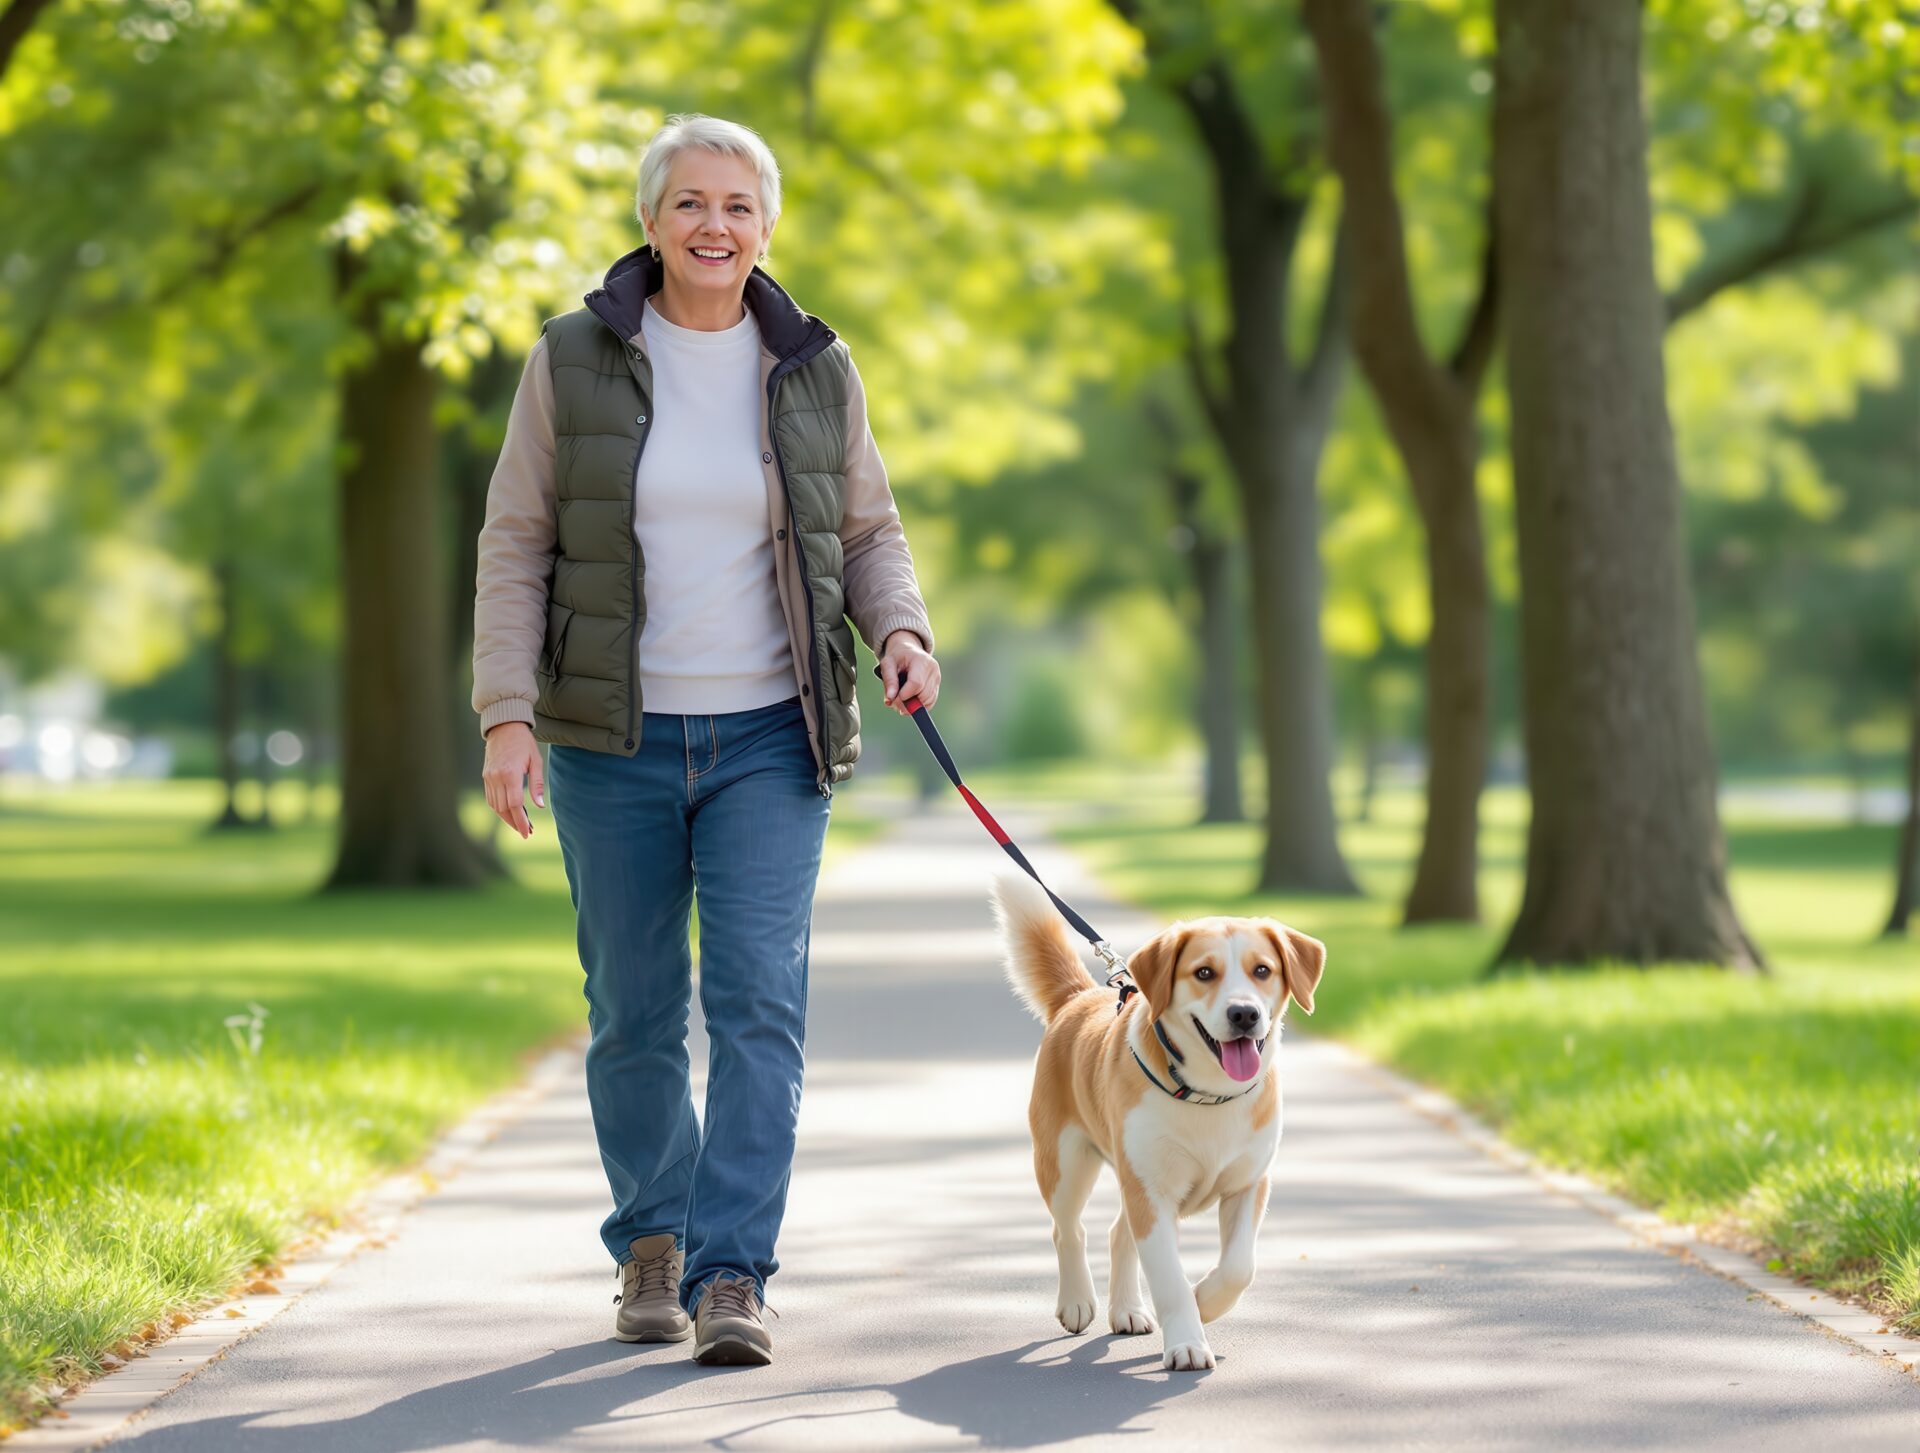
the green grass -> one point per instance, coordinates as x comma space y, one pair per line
1782, 1111
150, 1153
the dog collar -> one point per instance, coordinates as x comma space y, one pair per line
1182, 1090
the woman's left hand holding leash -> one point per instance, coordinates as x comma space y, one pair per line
904, 655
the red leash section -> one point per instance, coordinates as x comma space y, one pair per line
923, 718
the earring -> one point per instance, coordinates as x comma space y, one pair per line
656, 254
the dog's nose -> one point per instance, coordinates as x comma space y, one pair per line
1243, 1018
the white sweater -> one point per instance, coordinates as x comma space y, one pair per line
715, 639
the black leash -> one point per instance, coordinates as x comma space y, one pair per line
1118, 979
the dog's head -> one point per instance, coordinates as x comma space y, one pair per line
1218, 986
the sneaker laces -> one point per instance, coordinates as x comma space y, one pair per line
735, 1297
637, 1278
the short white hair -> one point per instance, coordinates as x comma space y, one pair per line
692, 131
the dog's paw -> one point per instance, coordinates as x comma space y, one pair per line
1075, 1316
1217, 1293
1129, 1321
1187, 1357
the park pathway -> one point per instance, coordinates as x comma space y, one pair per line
1412, 1291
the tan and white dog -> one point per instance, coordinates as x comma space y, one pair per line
1183, 1130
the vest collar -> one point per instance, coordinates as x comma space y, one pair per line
787, 330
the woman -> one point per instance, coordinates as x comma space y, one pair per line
687, 507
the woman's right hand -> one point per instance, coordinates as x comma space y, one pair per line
513, 759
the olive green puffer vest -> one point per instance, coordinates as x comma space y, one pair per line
589, 691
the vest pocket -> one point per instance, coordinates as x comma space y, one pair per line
845, 674
559, 617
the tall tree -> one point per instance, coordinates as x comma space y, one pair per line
1625, 855
1271, 415
1429, 407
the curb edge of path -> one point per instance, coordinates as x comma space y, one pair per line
1844, 1320
102, 1410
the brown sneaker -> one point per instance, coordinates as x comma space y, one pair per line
650, 1293
727, 1327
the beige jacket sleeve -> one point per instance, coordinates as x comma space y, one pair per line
882, 594
518, 544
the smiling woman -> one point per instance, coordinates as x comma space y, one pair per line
710, 215
689, 507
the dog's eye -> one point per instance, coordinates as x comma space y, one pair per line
1262, 971
1203, 972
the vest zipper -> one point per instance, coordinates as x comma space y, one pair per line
633, 584
825, 779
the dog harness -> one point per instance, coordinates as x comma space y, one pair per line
1119, 979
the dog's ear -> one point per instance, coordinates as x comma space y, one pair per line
1152, 966
1301, 961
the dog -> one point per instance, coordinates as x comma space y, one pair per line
1179, 1092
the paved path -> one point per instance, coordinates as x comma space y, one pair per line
1411, 1292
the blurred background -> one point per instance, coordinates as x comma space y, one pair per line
1187, 340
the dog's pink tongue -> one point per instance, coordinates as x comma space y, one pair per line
1241, 1058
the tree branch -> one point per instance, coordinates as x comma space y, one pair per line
38, 332
225, 245
1801, 236
228, 242
15, 21
811, 51
1386, 331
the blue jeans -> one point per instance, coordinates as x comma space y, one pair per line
727, 804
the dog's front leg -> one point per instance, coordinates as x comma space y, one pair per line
1240, 1216
1156, 1229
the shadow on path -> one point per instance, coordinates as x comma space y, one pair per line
1010, 1399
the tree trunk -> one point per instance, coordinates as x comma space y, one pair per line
399, 821
1281, 507
1459, 687
1369, 740
1271, 418
1215, 643
1906, 869
1429, 412
260, 693
1219, 679
226, 697
1625, 857
310, 763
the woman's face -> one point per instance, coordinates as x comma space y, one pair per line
711, 206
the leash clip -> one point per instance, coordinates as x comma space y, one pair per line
1119, 979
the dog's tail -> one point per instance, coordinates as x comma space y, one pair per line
1042, 963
